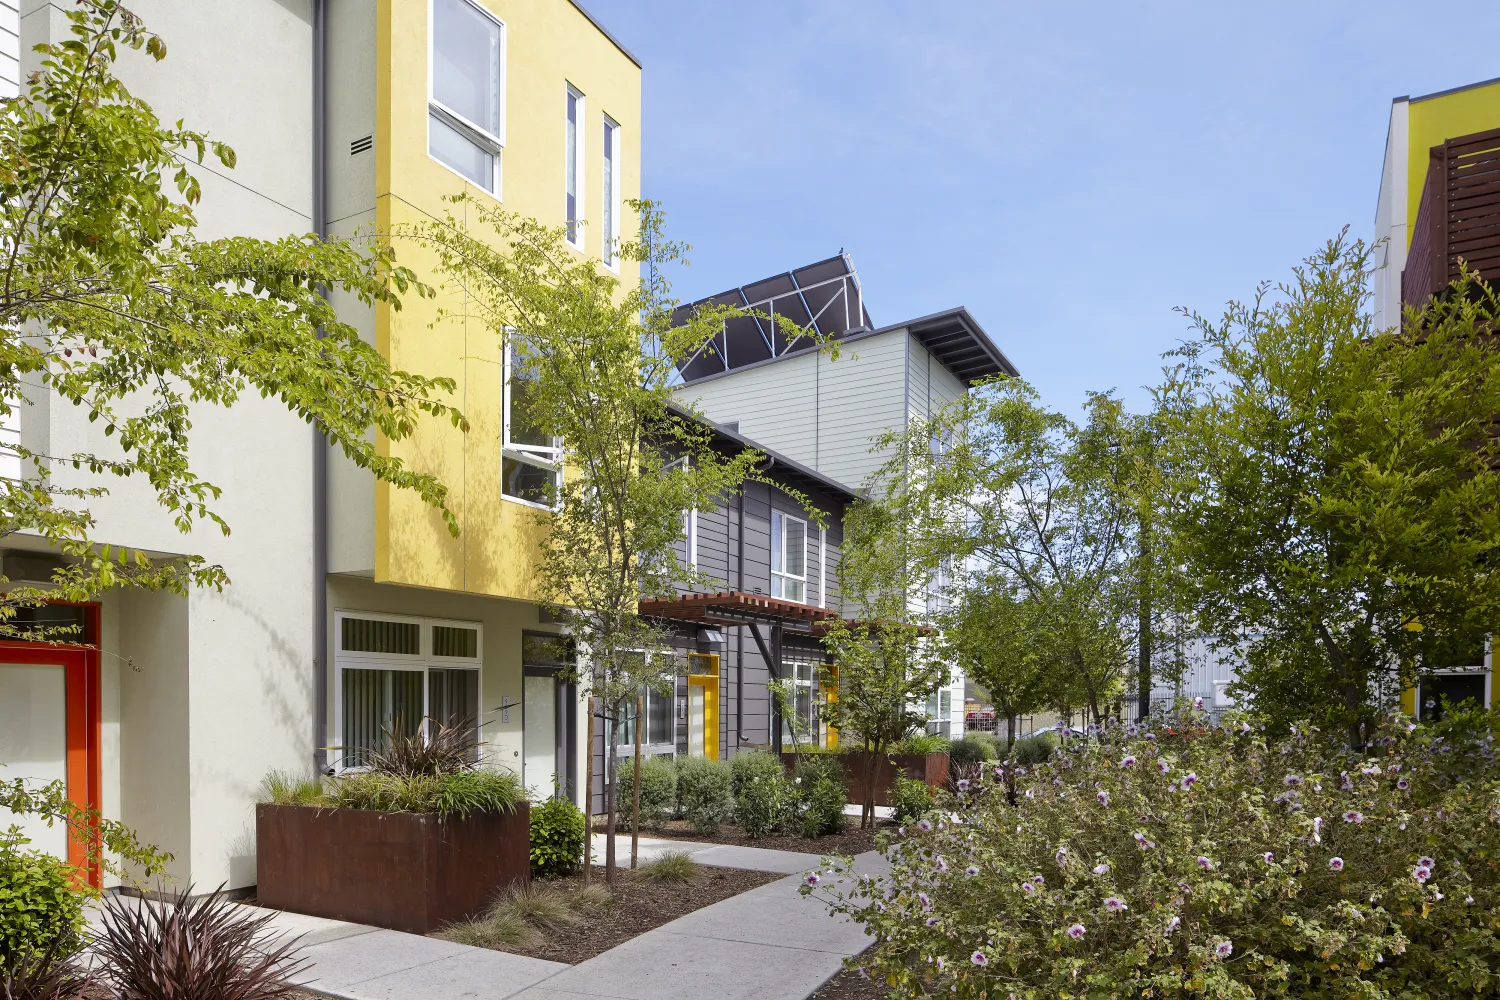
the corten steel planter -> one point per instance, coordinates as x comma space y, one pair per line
406, 871
929, 767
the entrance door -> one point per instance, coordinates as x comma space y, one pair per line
34, 742
541, 773
49, 731
695, 720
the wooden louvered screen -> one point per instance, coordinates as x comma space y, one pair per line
1458, 217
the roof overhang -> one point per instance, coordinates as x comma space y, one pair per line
735, 607
960, 344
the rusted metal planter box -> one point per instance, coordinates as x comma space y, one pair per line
406, 871
929, 767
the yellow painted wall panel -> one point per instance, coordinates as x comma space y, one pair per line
1433, 121
549, 45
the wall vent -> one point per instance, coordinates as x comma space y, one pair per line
361, 145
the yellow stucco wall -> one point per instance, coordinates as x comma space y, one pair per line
1434, 120
549, 45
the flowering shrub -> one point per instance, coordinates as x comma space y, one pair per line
1207, 863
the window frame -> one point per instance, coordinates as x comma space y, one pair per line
813, 685
689, 517
782, 574
538, 456
423, 661
609, 181
575, 226
490, 142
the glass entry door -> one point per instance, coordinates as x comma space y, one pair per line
34, 743
539, 735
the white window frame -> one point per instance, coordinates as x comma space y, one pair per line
626, 748
424, 660
782, 574
822, 567
814, 721
478, 134
689, 517
609, 170
542, 456
576, 224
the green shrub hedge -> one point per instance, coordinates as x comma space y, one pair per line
658, 790
821, 794
39, 908
558, 835
704, 793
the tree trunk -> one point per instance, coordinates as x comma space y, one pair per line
1146, 637
635, 786
588, 797
611, 772
867, 814
1010, 735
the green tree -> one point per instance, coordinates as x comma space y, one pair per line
599, 363
110, 301
888, 660
1345, 515
1003, 641
1036, 500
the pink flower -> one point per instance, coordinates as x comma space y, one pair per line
1223, 949
942, 863
1292, 780
932, 921
1336, 864
1422, 873
963, 784
1198, 704
1075, 932
925, 900
1403, 784
924, 825
1268, 857
978, 959
1038, 880
1163, 767
1189, 780
939, 963
1062, 855
1426, 862
1353, 817
1129, 760
1101, 869
972, 870
1103, 798
813, 879
1114, 904
1028, 888
1173, 924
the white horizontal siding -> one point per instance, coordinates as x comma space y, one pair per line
860, 397
10, 48
774, 404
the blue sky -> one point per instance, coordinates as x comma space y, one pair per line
1069, 171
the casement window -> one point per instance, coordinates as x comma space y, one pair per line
611, 176
573, 167
530, 459
466, 106
689, 518
788, 557
398, 675
940, 712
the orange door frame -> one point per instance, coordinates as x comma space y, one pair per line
81, 686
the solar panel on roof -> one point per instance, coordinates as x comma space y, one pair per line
824, 298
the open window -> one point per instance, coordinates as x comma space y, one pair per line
466, 97
531, 459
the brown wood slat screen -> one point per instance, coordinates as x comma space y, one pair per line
1458, 217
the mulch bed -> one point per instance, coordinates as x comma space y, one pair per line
849, 985
851, 840
638, 907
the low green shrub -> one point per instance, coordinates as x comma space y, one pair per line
39, 908
703, 792
821, 795
658, 789
558, 833
1034, 749
764, 800
972, 748
922, 743
447, 795
910, 798
1220, 864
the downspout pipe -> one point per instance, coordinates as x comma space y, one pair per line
319, 442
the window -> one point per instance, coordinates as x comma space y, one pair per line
660, 732
574, 166
396, 673
689, 518
788, 557
465, 110
611, 231
802, 678
530, 460
940, 712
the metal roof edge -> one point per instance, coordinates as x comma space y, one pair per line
975, 330
605, 32
1454, 90
833, 485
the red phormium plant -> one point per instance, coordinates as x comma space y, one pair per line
194, 948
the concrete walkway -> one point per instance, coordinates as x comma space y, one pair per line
765, 944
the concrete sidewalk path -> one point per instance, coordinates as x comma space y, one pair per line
757, 859
766, 944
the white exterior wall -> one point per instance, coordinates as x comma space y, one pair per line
194, 743
1390, 221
